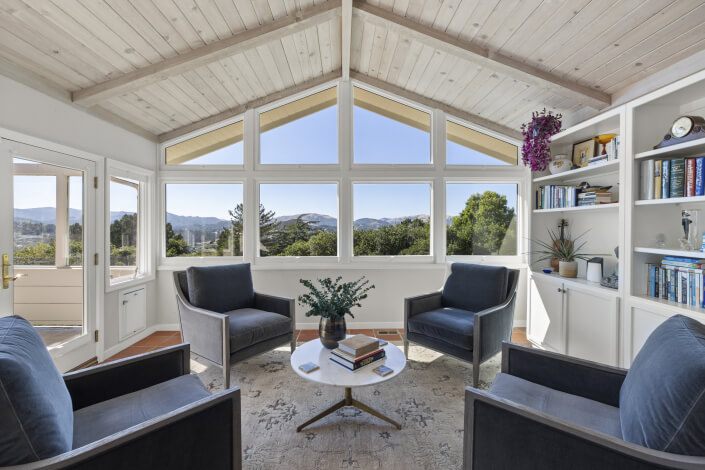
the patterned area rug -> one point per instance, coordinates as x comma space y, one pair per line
427, 398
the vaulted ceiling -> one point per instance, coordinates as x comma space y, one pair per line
170, 66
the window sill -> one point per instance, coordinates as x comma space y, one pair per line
129, 283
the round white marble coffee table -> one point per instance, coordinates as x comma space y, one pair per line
330, 373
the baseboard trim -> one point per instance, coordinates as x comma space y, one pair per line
519, 323
126, 343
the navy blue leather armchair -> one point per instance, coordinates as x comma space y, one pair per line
469, 318
552, 412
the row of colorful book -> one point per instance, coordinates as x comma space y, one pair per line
677, 279
555, 197
680, 177
358, 351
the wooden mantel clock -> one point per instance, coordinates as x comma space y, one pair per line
684, 129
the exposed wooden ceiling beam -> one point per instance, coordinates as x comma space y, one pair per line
207, 54
271, 98
431, 103
42, 85
493, 60
346, 36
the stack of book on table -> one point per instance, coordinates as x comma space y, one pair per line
357, 352
678, 280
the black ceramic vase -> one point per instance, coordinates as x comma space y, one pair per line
331, 330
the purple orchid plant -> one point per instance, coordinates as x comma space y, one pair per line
537, 135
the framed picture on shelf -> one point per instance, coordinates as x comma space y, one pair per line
583, 152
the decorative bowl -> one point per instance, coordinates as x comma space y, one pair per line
560, 164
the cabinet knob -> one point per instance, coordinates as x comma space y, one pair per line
560, 290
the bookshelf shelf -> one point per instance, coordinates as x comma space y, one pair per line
597, 207
578, 282
674, 200
667, 252
686, 149
673, 306
611, 167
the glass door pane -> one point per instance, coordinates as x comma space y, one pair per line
48, 249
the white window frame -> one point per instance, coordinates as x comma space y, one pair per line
491, 133
164, 167
433, 157
522, 246
184, 261
394, 259
276, 260
145, 229
259, 166
345, 173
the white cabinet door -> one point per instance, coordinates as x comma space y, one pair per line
592, 326
546, 313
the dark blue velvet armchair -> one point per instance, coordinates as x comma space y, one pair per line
143, 412
552, 412
225, 321
469, 318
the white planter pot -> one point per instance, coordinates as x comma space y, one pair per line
568, 268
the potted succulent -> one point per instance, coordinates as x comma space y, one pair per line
565, 249
332, 300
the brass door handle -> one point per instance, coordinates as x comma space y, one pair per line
6, 278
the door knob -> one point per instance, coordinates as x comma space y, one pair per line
6, 278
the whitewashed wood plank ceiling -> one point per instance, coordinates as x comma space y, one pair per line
167, 65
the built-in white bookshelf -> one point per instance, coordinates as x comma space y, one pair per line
644, 231
596, 207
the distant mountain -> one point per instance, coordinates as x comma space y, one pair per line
46, 215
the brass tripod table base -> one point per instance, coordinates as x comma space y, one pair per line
348, 401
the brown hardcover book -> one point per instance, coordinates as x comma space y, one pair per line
359, 345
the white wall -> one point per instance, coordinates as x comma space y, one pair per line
31, 112
28, 111
384, 308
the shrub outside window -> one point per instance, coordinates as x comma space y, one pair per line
481, 219
392, 219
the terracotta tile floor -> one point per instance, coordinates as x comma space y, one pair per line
162, 339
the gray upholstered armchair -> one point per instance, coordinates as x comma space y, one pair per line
469, 318
225, 320
553, 412
143, 412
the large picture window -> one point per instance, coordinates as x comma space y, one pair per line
298, 219
301, 132
222, 146
481, 219
203, 219
465, 146
388, 132
392, 219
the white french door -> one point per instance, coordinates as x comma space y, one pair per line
47, 243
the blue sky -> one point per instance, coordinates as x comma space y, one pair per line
312, 139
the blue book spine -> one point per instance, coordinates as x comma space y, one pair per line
665, 179
700, 176
652, 280
684, 260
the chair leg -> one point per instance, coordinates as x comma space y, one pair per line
226, 376
406, 347
293, 343
475, 374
